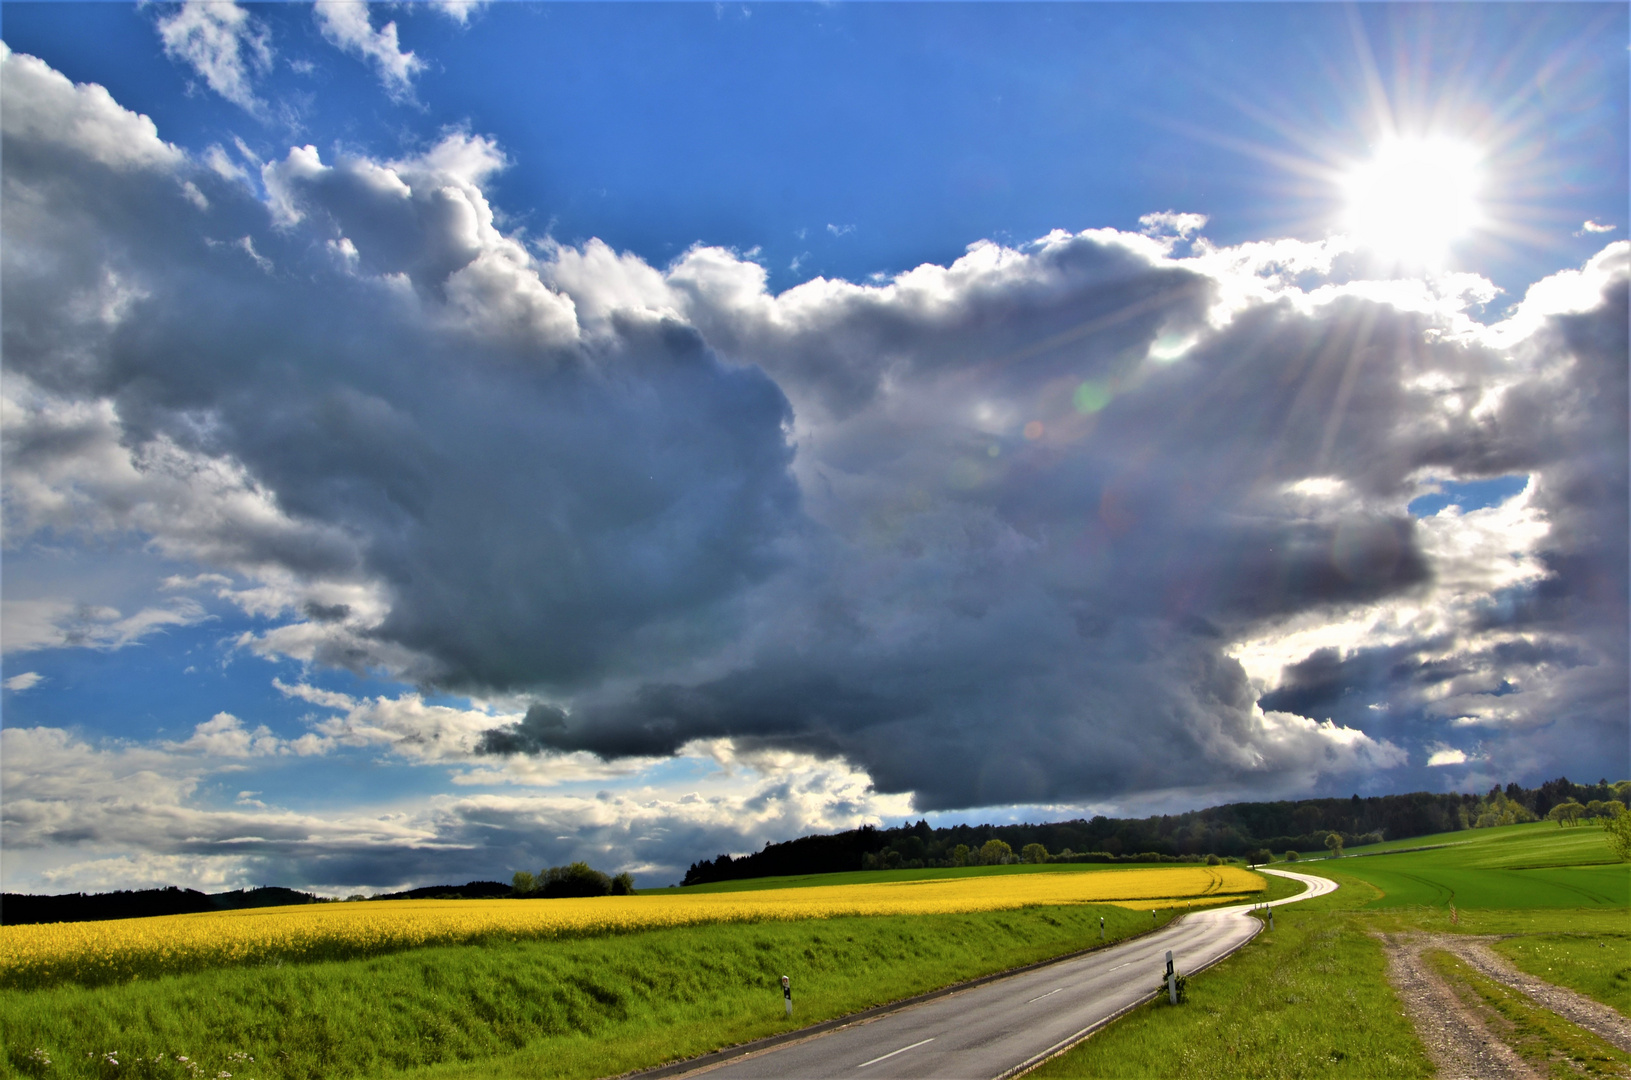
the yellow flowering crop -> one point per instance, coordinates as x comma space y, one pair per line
123, 949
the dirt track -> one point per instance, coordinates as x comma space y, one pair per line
1460, 1044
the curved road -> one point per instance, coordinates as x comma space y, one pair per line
1004, 1027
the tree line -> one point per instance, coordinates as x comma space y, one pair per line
1236, 830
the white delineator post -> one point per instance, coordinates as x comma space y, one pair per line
1172, 980
787, 993
1101, 927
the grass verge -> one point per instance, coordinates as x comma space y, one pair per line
1597, 965
1552, 1046
567, 1009
1309, 998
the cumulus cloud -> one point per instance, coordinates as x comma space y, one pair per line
1068, 520
27, 680
83, 816
223, 43
347, 25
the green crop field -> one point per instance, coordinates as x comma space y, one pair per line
1538, 865
1557, 896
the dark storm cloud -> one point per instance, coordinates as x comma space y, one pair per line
530, 503
533, 735
990, 531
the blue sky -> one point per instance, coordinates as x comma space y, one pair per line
446, 439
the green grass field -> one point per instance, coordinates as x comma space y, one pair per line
1596, 963
1538, 865
1313, 998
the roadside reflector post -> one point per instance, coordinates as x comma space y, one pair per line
1172, 980
1271, 918
787, 993
1101, 927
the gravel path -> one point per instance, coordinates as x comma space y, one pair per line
1606, 1023
1458, 1043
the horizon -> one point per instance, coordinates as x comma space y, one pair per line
464, 434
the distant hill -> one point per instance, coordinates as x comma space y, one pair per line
18, 909
1236, 829
475, 890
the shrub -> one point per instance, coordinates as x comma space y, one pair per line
1291, 856
575, 879
1618, 829
1213, 860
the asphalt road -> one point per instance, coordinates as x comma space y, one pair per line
1003, 1027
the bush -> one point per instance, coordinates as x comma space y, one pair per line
623, 884
1260, 856
1291, 856
1618, 829
575, 879
1213, 860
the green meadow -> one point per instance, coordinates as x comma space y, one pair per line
1312, 997
1538, 865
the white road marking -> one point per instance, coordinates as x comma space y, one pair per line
892, 1053
1039, 997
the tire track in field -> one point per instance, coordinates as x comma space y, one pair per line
1460, 1045
1605, 1023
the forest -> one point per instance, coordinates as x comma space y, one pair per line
1229, 831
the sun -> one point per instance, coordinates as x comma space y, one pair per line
1414, 199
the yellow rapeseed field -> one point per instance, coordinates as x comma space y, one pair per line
124, 949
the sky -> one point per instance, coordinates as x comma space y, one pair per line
446, 439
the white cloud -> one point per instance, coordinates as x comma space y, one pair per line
1595, 227
223, 43
224, 736
44, 108
79, 816
55, 624
328, 699
346, 25
1172, 223
1445, 755
460, 11
25, 681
